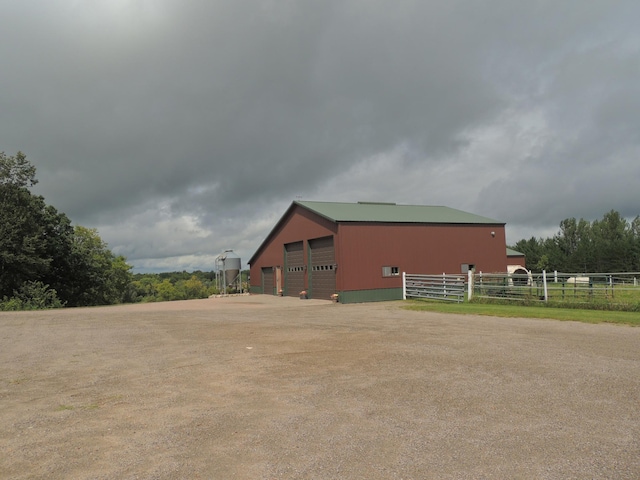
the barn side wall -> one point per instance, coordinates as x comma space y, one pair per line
364, 249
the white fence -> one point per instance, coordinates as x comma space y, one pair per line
505, 286
557, 286
611, 288
438, 287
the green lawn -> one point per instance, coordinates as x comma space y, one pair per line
598, 291
570, 314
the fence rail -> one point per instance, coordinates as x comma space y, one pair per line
556, 286
601, 288
438, 287
505, 286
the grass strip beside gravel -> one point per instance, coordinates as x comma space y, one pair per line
519, 311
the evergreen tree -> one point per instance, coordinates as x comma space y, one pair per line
611, 244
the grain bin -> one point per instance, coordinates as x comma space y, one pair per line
228, 265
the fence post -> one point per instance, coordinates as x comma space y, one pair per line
555, 276
470, 284
404, 285
444, 284
611, 284
544, 282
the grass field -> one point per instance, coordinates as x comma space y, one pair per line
627, 294
521, 311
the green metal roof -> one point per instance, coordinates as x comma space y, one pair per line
393, 213
513, 253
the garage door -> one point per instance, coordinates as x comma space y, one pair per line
323, 269
267, 281
294, 273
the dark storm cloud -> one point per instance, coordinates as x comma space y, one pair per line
182, 128
584, 164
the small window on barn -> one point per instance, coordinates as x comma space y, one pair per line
390, 271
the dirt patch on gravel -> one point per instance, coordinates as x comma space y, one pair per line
262, 387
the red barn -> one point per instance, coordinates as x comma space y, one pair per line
359, 250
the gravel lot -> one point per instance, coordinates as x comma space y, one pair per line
258, 387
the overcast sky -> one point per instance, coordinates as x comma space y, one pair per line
181, 128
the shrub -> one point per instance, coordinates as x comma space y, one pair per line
32, 296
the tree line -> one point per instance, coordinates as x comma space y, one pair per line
611, 244
167, 286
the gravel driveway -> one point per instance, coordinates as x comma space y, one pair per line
259, 387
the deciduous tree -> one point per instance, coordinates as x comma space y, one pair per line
39, 244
